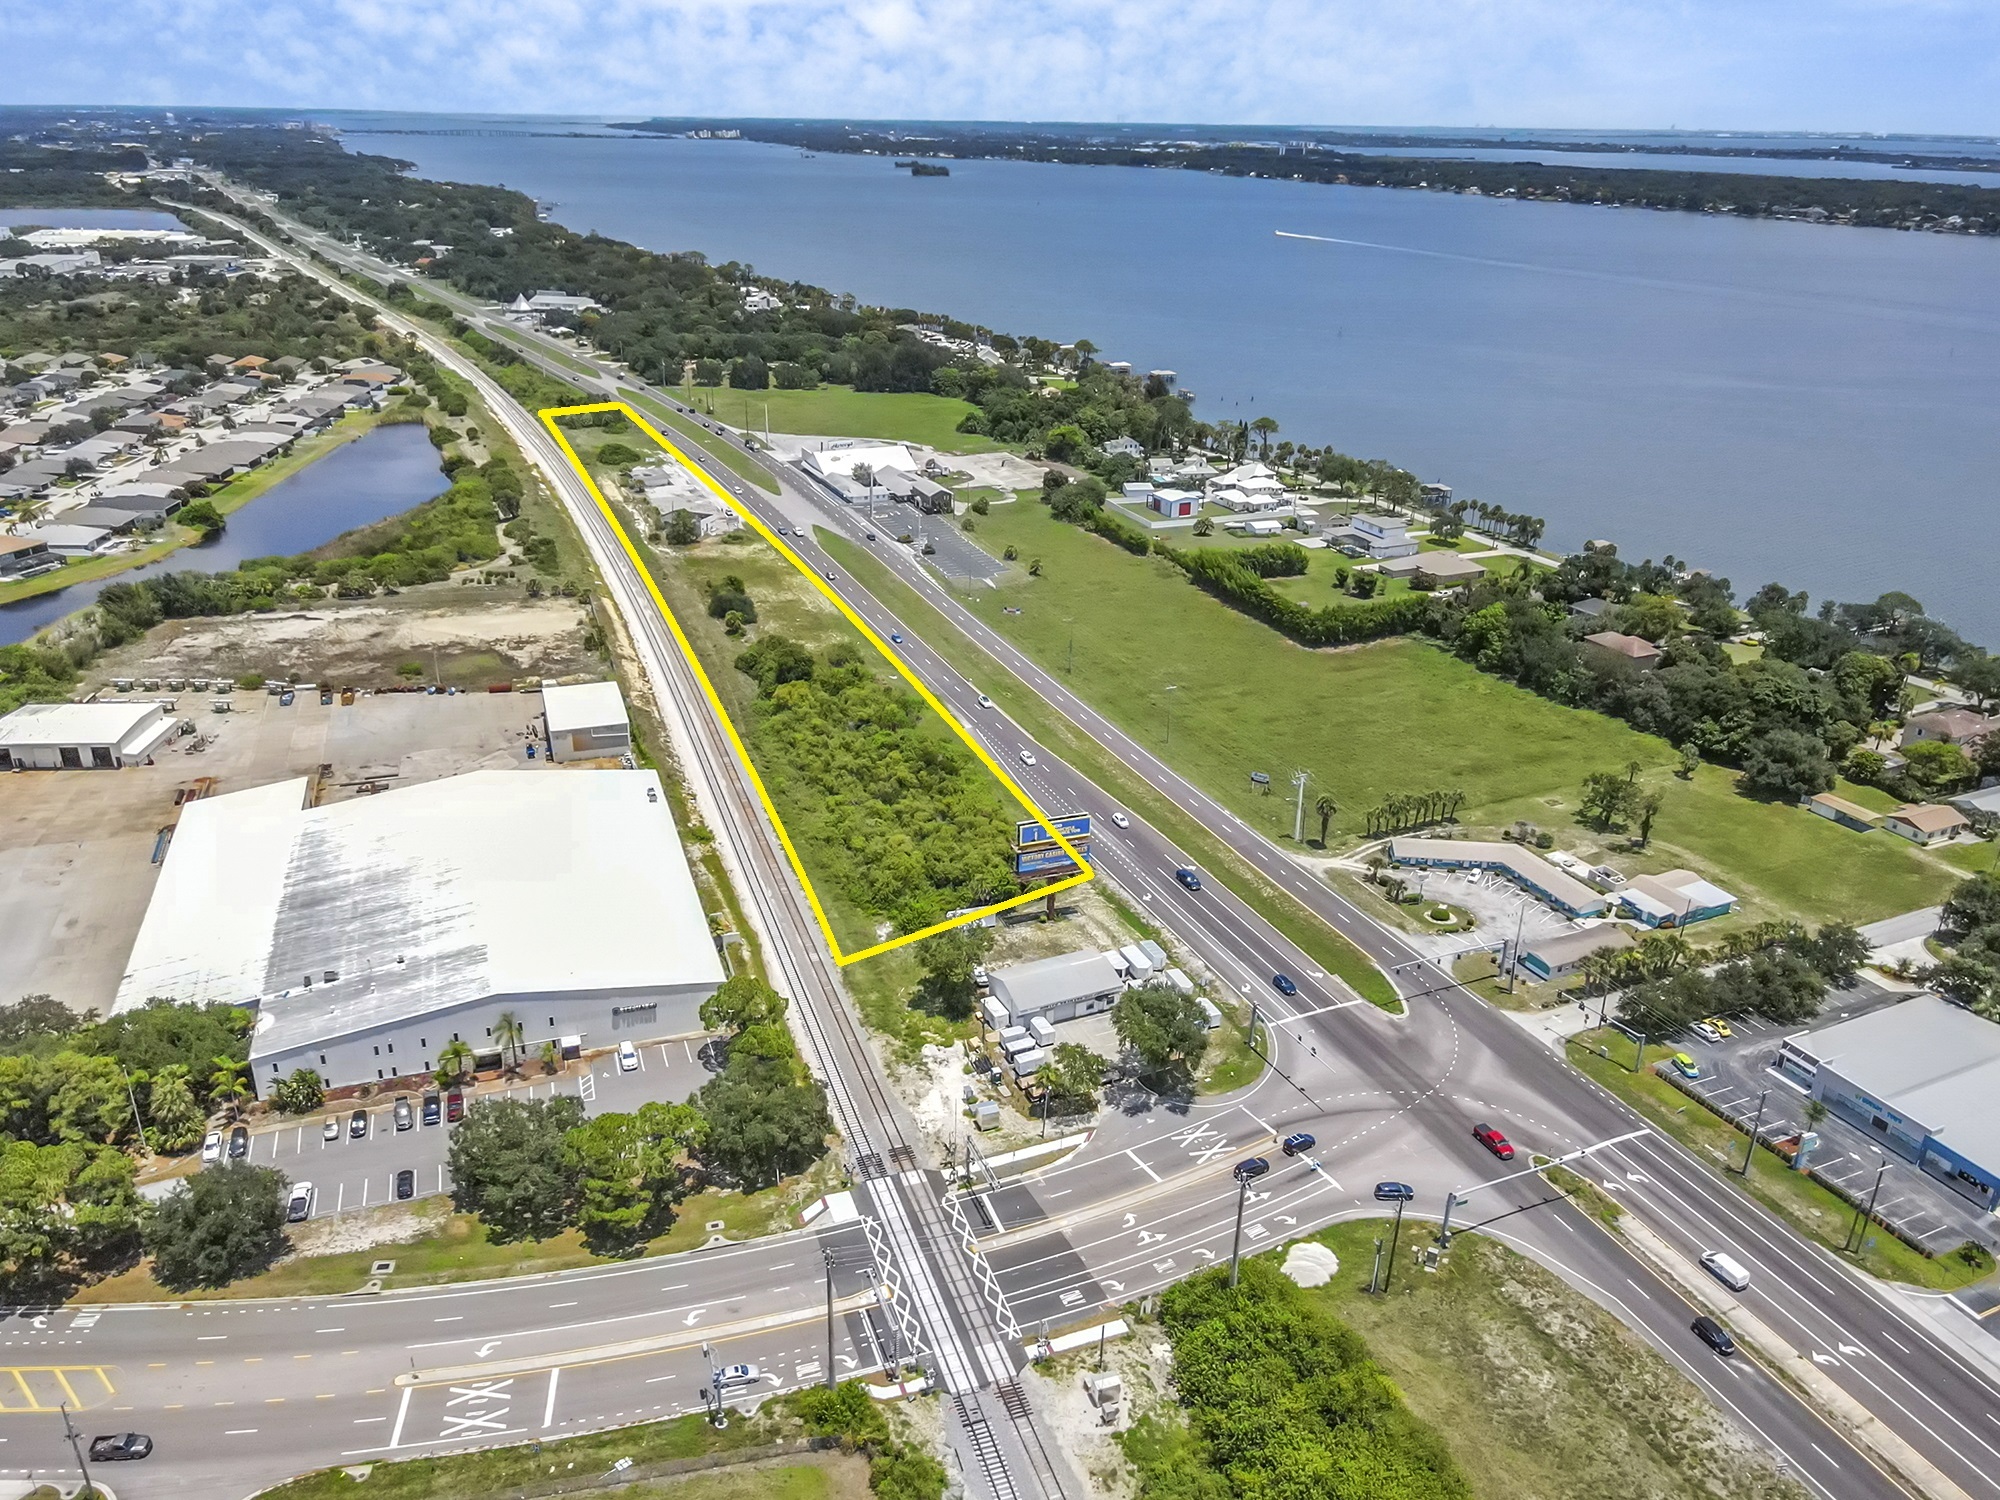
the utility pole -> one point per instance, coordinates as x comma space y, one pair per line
1759, 1125
1171, 687
1395, 1238
137, 1123
1857, 1232
1236, 1245
712, 1392
76, 1447
1514, 964
1299, 810
828, 1254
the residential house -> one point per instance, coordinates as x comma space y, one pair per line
1253, 479
1846, 814
1632, 649
106, 517
1591, 609
1673, 898
1379, 537
1445, 569
1982, 806
545, 302
1950, 726
1243, 502
1927, 823
72, 541
23, 557
1122, 447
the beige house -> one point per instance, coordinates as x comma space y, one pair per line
1926, 823
1640, 652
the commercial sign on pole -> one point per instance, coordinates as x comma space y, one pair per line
1072, 826
1049, 861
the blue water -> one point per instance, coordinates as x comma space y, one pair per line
1667, 161
90, 218
1770, 400
380, 474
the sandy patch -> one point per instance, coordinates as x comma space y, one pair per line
343, 1234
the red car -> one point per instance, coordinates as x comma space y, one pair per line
1493, 1141
454, 1107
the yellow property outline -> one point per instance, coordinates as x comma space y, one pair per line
549, 415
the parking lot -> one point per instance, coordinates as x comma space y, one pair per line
351, 1172
1736, 1071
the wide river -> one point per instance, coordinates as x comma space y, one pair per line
1770, 400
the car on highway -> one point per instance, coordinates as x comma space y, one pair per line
1493, 1141
1284, 984
406, 1183
1189, 879
1395, 1192
896, 636
1297, 1142
211, 1148
628, 1058
299, 1207
1121, 820
239, 1142
120, 1447
870, 535
331, 1130
454, 1107
1028, 758
1684, 1065
405, 1116
734, 1375
433, 1107
829, 576
357, 1123
1713, 1334
984, 701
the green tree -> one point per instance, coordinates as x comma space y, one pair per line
1326, 807
513, 1039
1204, 527
1266, 428
164, 1033
1072, 1075
764, 1124
227, 1084
947, 987
1164, 1029
743, 1001
508, 1166
1646, 809
1690, 762
65, 1211
176, 1119
1787, 763
1974, 903
454, 1062
1837, 951
203, 517
218, 1226
681, 529
1607, 799
34, 1017
1980, 677
299, 1093
1936, 766
551, 1057
629, 1173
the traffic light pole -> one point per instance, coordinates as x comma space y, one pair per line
76, 1447
1236, 1245
1395, 1235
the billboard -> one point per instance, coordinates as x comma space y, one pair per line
1049, 861
1072, 826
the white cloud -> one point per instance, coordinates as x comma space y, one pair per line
1827, 64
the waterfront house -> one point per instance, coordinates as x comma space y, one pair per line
1122, 447
1949, 726
1445, 569
1634, 650
24, 556
1591, 609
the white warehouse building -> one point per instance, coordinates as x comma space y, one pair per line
586, 720
83, 736
370, 933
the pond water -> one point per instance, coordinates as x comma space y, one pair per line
379, 474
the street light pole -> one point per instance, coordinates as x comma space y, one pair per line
1299, 808
76, 1447
1759, 1125
1395, 1236
828, 1255
1236, 1245
1856, 1231
1171, 687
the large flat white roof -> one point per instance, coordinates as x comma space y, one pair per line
878, 456
583, 705
492, 883
76, 723
1928, 1058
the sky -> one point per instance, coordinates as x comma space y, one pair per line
1921, 66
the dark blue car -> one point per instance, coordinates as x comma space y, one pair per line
1254, 1167
1394, 1192
1282, 983
1297, 1142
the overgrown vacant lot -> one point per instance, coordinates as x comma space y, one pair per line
1397, 716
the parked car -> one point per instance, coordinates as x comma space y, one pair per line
357, 1123
211, 1148
326, 697
406, 1183
287, 698
120, 1447
1720, 1027
1028, 758
433, 1107
628, 1058
1284, 984
1189, 879
1706, 1031
735, 1375
1121, 820
1493, 1141
1251, 1169
406, 1117
454, 1107
239, 1142
299, 1207
1297, 1142
331, 1130
1684, 1065
1395, 1192
1714, 1335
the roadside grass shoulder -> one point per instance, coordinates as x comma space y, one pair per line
842, 411
1802, 1202
1536, 1389
739, 463
1326, 947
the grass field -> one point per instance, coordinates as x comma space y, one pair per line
1537, 1390
1226, 696
1801, 1201
840, 411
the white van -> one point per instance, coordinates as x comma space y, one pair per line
1726, 1271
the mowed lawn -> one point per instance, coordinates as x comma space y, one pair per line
842, 411
1224, 696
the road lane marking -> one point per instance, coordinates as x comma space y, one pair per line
549, 1406
402, 1410
1141, 1165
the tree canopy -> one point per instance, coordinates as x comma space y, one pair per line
224, 1223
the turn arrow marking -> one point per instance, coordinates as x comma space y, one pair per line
691, 1317
487, 1348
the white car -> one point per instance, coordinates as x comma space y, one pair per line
300, 1206
628, 1058
211, 1148
984, 701
1028, 758
1706, 1032
732, 1375
1121, 820
331, 1130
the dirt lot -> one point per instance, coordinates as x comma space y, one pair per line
76, 847
455, 635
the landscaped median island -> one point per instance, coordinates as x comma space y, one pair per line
1489, 1377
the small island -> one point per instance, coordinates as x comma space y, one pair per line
924, 169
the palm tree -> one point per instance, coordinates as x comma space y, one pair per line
454, 1061
227, 1084
513, 1039
1326, 807
551, 1057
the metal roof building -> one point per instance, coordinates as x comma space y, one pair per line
1919, 1077
371, 933
586, 720
1059, 988
83, 736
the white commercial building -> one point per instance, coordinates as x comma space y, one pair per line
82, 736
1058, 989
369, 934
841, 459
586, 720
